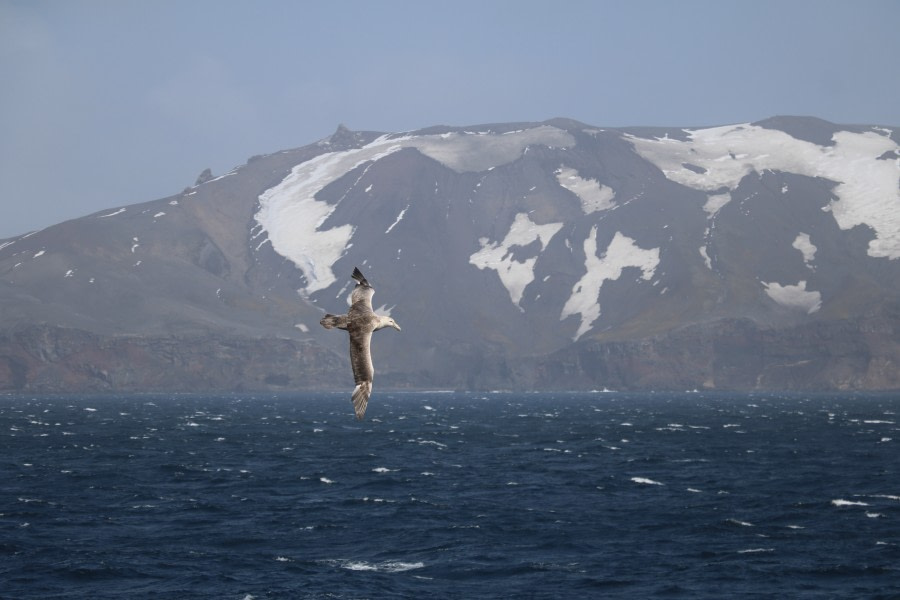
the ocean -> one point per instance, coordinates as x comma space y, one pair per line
449, 495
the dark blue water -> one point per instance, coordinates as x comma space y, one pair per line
450, 496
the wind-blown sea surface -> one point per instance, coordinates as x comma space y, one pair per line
603, 495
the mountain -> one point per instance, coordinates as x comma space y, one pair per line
552, 255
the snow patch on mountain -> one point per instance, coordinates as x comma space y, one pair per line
291, 216
715, 202
622, 252
399, 218
514, 274
704, 252
806, 248
719, 157
594, 195
112, 214
794, 296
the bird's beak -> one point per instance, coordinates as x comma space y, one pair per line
395, 326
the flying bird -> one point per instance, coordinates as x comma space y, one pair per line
360, 321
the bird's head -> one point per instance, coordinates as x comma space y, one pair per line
388, 322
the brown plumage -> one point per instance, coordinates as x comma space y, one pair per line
360, 321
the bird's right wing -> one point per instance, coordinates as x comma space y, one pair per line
361, 398
363, 371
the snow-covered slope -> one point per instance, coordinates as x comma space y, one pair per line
864, 167
293, 218
550, 254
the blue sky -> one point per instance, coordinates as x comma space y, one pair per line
105, 103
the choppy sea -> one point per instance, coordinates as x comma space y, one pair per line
448, 495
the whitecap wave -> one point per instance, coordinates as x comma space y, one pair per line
645, 481
388, 566
841, 502
432, 443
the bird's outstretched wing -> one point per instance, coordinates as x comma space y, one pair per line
363, 292
330, 321
361, 398
359, 277
363, 371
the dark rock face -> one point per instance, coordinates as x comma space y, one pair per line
53, 359
203, 177
550, 255
859, 353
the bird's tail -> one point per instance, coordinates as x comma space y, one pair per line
361, 398
330, 321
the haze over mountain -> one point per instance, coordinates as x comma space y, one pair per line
554, 255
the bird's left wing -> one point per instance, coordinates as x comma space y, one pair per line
363, 292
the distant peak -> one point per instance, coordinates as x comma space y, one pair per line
343, 136
203, 177
565, 123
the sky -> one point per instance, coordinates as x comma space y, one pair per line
106, 103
